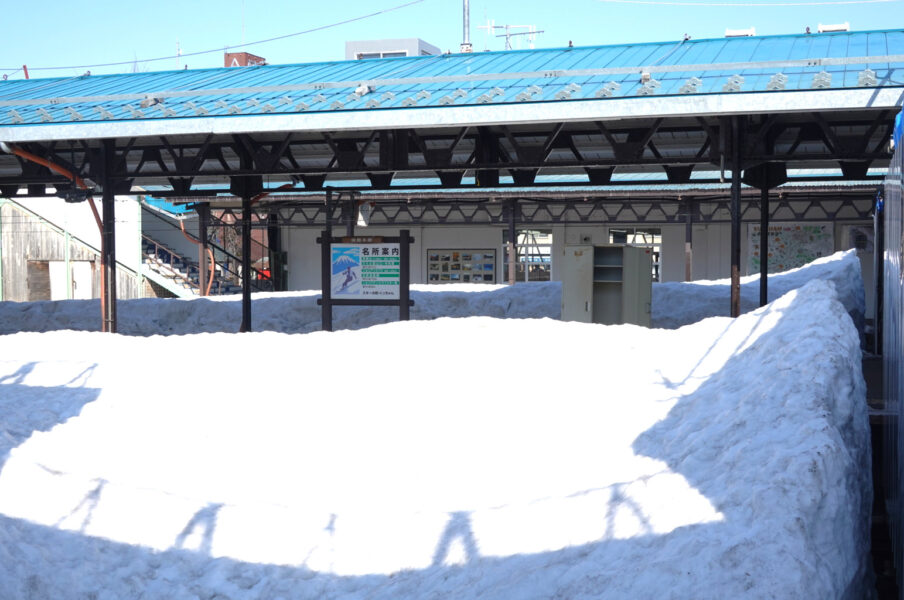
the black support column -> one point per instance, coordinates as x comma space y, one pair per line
203, 265
512, 241
108, 239
274, 246
688, 240
764, 246
246, 264
735, 216
246, 188
326, 310
764, 177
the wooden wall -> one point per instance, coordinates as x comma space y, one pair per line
26, 238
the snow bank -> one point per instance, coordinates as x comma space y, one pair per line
725, 459
677, 304
674, 305
288, 312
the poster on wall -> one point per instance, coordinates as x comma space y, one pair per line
365, 271
461, 266
791, 245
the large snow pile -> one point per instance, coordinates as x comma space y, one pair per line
674, 305
677, 304
288, 312
453, 458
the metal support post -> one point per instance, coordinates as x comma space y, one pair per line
350, 215
246, 264
735, 216
512, 241
688, 241
878, 271
326, 296
764, 246
274, 246
2, 203
108, 240
404, 275
67, 258
326, 306
203, 266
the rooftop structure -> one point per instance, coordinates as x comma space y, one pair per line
390, 48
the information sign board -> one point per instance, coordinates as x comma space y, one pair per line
365, 270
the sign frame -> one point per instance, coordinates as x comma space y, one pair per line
327, 301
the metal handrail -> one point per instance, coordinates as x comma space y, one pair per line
173, 256
256, 276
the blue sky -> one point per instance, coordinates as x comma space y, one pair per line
84, 34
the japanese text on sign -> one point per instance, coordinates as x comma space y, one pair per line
366, 270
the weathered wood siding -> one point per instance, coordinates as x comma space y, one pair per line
25, 237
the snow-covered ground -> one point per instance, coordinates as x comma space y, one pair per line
447, 458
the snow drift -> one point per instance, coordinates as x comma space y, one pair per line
674, 305
464, 458
677, 304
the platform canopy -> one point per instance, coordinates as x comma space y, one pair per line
820, 101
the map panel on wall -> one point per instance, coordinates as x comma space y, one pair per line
791, 245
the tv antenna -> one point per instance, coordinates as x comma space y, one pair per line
531, 32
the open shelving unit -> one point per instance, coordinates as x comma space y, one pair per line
607, 284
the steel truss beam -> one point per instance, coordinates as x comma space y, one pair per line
186, 165
596, 211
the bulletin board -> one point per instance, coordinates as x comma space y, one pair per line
461, 266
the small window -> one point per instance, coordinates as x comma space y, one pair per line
367, 55
394, 54
533, 255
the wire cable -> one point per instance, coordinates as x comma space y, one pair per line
200, 52
746, 4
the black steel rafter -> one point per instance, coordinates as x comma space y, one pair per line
590, 210
386, 158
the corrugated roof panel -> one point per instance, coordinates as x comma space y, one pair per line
547, 69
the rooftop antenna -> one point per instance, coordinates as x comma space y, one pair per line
490, 26
466, 44
531, 34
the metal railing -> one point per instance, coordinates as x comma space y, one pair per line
166, 260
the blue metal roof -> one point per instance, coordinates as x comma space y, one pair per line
827, 61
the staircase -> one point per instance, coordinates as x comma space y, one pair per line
180, 275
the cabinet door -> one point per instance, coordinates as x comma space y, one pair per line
577, 283
637, 294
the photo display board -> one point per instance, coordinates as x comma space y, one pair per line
365, 270
461, 266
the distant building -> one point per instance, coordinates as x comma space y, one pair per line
389, 48
243, 59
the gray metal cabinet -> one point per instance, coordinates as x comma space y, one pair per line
607, 284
